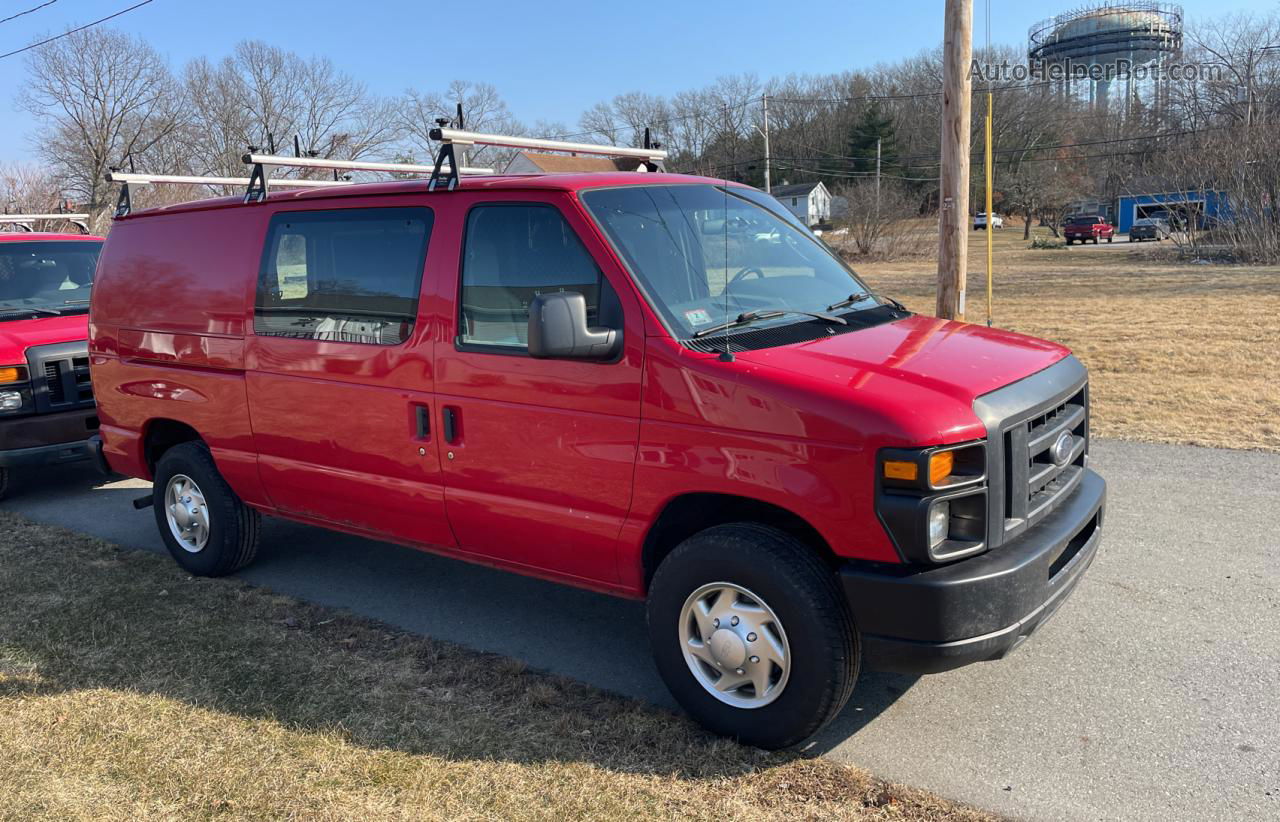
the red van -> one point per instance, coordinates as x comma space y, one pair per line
47, 414
657, 386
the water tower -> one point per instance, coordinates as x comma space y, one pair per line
1091, 46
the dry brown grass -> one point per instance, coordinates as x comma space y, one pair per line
129, 690
1179, 352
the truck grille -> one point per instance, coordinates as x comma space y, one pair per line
61, 377
1028, 475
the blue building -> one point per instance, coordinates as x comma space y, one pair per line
1179, 208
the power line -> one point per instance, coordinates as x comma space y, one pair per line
28, 11
73, 31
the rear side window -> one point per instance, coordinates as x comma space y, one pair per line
343, 276
512, 254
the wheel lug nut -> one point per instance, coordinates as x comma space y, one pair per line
751, 637
740, 672
715, 622
755, 660
734, 621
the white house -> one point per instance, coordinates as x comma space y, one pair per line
811, 202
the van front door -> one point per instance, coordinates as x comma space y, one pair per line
339, 373
539, 454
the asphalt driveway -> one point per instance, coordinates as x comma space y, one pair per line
1153, 693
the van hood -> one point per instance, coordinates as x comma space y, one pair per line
921, 373
16, 336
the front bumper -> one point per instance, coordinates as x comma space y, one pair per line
47, 439
925, 621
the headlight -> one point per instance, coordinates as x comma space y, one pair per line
10, 400
939, 523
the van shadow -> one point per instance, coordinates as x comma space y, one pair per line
461, 678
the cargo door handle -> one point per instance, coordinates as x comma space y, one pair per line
450, 415
422, 417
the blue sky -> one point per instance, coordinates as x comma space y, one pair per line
550, 59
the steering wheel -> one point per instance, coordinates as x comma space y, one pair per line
743, 273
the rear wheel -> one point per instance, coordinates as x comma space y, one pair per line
4, 482
751, 633
208, 530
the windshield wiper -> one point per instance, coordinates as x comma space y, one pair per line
33, 309
850, 300
749, 317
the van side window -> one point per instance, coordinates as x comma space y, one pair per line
512, 254
343, 276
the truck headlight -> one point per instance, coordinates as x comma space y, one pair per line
939, 523
10, 401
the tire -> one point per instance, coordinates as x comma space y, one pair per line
232, 528
4, 482
817, 633
1095, 240
1112, 237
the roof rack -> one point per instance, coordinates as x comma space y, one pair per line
124, 204
652, 156
24, 221
258, 179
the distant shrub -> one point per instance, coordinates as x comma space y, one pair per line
1046, 243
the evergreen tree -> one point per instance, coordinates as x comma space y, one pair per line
874, 125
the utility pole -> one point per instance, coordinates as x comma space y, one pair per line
878, 141
953, 194
768, 163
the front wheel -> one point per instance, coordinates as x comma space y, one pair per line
208, 530
752, 635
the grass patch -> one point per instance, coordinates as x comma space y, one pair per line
1178, 352
131, 690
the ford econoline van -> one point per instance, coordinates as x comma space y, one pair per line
657, 386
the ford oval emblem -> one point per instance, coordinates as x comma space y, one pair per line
1060, 451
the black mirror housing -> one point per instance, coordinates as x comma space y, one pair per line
558, 330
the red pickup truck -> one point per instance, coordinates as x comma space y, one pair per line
47, 413
657, 386
1088, 227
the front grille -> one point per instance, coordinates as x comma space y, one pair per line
1024, 422
62, 377
1035, 480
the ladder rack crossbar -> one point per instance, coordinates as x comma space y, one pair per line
29, 218
460, 137
185, 179
347, 165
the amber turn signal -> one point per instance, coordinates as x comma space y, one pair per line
13, 373
941, 465
900, 470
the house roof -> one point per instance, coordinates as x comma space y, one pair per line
553, 163
795, 190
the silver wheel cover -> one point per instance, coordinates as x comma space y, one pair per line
735, 645
187, 513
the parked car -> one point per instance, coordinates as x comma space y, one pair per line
571, 376
980, 221
1086, 227
47, 413
1148, 228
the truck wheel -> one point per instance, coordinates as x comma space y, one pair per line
1095, 240
1112, 237
4, 482
207, 528
752, 635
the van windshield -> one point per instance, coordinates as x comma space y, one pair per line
704, 252
46, 277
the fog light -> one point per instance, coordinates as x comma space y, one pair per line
10, 400
939, 523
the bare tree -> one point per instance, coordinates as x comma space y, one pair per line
28, 189
483, 109
102, 96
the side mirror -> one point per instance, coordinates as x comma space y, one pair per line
558, 329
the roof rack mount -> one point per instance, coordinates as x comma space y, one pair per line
259, 179
24, 221
449, 137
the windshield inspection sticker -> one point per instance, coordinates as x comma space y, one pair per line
697, 317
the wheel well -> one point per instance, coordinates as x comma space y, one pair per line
162, 435
687, 515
